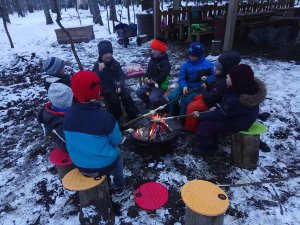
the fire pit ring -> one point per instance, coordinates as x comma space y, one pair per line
148, 132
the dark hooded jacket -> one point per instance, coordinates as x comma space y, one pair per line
216, 90
52, 124
111, 77
241, 110
159, 69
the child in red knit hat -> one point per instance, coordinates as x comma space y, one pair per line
92, 134
157, 75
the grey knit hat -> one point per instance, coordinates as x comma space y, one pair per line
60, 95
53, 65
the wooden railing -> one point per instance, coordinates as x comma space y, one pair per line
171, 17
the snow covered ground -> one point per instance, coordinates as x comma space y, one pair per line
31, 193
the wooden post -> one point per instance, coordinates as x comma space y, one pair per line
216, 47
63, 170
156, 17
245, 150
192, 218
96, 200
230, 24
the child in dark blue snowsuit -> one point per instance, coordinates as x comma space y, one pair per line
236, 112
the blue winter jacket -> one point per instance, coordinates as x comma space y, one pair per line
92, 136
192, 72
239, 110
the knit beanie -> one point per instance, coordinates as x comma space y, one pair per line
104, 47
85, 86
196, 49
60, 95
53, 65
159, 44
228, 60
242, 78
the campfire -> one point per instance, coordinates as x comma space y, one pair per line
155, 129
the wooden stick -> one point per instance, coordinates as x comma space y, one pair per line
260, 182
172, 117
153, 112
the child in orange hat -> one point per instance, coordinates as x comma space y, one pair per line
156, 79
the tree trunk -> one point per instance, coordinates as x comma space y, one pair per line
107, 16
113, 14
5, 10
82, 4
5, 27
18, 8
127, 4
29, 6
98, 200
58, 19
192, 218
245, 150
176, 4
46, 8
94, 9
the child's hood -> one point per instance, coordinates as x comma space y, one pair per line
257, 98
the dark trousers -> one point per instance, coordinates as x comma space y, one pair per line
116, 169
208, 131
155, 99
112, 100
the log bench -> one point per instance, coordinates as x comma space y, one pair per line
205, 203
245, 146
95, 201
62, 161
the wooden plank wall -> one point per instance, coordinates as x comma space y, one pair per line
171, 16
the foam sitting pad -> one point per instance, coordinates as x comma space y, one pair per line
60, 157
75, 181
204, 198
151, 196
255, 129
133, 69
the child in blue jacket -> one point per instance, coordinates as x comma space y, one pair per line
190, 77
92, 134
236, 112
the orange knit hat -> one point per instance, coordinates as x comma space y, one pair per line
159, 45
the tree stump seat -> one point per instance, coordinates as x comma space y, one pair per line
245, 146
94, 197
62, 161
205, 203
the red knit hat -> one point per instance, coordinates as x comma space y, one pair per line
242, 78
159, 45
85, 86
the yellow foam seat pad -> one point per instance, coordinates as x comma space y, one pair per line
204, 198
75, 181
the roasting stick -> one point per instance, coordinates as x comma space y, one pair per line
153, 112
171, 117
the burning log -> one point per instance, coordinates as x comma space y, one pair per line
154, 130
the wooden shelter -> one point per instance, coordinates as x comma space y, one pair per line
176, 24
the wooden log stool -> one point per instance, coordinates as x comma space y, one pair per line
95, 201
245, 146
62, 161
205, 203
